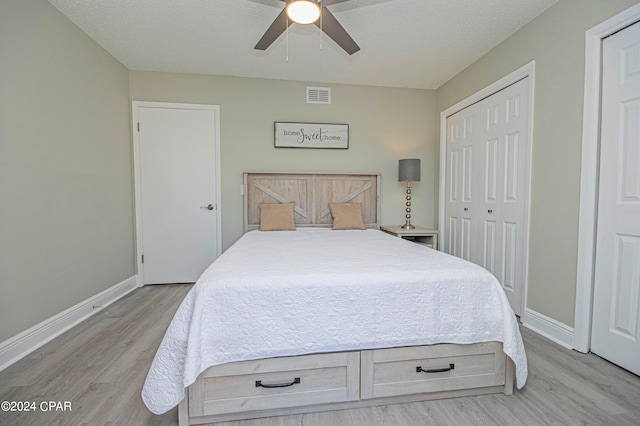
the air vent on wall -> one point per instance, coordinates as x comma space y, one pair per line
318, 95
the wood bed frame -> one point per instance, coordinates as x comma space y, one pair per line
312, 193
338, 380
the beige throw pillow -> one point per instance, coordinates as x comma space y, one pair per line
347, 216
277, 217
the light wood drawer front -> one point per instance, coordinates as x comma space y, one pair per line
231, 388
391, 372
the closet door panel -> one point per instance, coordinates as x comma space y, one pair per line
461, 188
487, 149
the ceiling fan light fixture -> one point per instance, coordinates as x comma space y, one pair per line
303, 11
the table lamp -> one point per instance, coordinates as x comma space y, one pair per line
408, 171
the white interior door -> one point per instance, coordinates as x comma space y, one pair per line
487, 186
461, 193
616, 302
177, 191
503, 190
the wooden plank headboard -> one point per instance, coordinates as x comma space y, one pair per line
312, 193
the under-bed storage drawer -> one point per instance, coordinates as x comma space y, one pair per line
276, 383
435, 368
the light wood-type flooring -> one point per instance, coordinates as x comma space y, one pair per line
100, 365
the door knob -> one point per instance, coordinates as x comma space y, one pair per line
209, 207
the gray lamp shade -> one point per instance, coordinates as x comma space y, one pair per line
409, 170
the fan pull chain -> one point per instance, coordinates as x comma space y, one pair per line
287, 39
321, 30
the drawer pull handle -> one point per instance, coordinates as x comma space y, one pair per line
435, 370
259, 384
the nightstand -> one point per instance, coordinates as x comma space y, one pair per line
425, 236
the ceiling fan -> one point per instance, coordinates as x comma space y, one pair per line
327, 22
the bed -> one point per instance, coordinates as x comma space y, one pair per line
313, 319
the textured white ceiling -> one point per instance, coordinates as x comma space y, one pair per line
404, 43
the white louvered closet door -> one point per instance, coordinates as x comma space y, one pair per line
487, 188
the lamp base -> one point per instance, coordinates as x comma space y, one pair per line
407, 225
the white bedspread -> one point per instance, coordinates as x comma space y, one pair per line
316, 290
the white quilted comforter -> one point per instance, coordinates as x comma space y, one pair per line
316, 290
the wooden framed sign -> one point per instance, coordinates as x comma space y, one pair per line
311, 135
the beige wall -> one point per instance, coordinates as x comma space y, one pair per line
66, 221
555, 40
385, 125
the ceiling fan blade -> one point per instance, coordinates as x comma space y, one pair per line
330, 2
333, 29
273, 32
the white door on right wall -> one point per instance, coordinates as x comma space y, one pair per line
615, 331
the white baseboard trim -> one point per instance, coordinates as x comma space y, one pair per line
20, 345
546, 326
